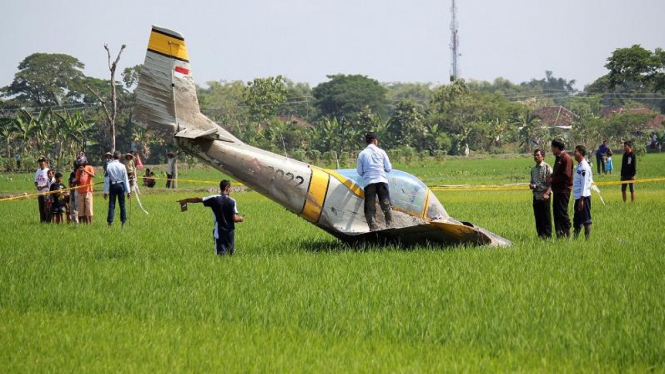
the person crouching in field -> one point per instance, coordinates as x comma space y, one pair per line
541, 194
582, 180
59, 197
226, 216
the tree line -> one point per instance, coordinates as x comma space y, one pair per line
52, 108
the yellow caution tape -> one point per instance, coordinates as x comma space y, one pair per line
26, 195
466, 187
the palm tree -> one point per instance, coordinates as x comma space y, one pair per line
528, 124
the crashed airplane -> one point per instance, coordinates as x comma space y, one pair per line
333, 200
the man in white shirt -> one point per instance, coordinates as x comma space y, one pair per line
373, 164
582, 180
116, 183
42, 185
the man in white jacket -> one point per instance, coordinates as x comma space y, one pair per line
582, 180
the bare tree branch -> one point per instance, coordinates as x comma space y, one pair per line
106, 110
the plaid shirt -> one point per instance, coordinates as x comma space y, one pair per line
539, 174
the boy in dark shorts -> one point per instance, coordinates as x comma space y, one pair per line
628, 170
59, 199
226, 215
582, 180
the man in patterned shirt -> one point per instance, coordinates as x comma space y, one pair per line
541, 194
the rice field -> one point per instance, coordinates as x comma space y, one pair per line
153, 297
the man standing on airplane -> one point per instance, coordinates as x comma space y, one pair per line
373, 164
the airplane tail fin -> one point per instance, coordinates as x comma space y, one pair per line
166, 100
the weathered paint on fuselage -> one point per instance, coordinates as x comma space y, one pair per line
323, 197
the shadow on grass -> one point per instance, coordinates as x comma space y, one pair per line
335, 245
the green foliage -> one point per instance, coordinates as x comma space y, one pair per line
407, 127
345, 96
264, 96
639, 65
47, 79
224, 102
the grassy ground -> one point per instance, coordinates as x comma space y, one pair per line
154, 297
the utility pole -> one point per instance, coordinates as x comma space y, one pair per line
454, 44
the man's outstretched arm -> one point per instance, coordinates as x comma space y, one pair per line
191, 200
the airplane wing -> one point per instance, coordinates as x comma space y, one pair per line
438, 231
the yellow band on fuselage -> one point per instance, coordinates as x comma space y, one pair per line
168, 46
316, 195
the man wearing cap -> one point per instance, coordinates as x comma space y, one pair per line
131, 168
116, 184
170, 169
107, 158
373, 164
84, 175
41, 183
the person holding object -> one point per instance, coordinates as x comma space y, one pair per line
541, 194
373, 164
170, 170
226, 215
561, 181
628, 170
582, 181
84, 175
42, 185
116, 184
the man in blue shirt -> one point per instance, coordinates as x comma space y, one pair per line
373, 164
225, 210
601, 156
116, 184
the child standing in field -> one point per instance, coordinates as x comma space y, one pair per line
582, 180
609, 165
59, 198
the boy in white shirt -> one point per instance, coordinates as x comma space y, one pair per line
582, 180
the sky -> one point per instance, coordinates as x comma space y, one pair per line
306, 40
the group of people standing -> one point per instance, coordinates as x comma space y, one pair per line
556, 184
75, 201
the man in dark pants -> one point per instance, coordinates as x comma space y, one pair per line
561, 181
373, 164
628, 170
116, 183
582, 182
601, 156
226, 216
41, 183
541, 195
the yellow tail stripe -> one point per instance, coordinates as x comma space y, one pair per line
168, 45
316, 195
